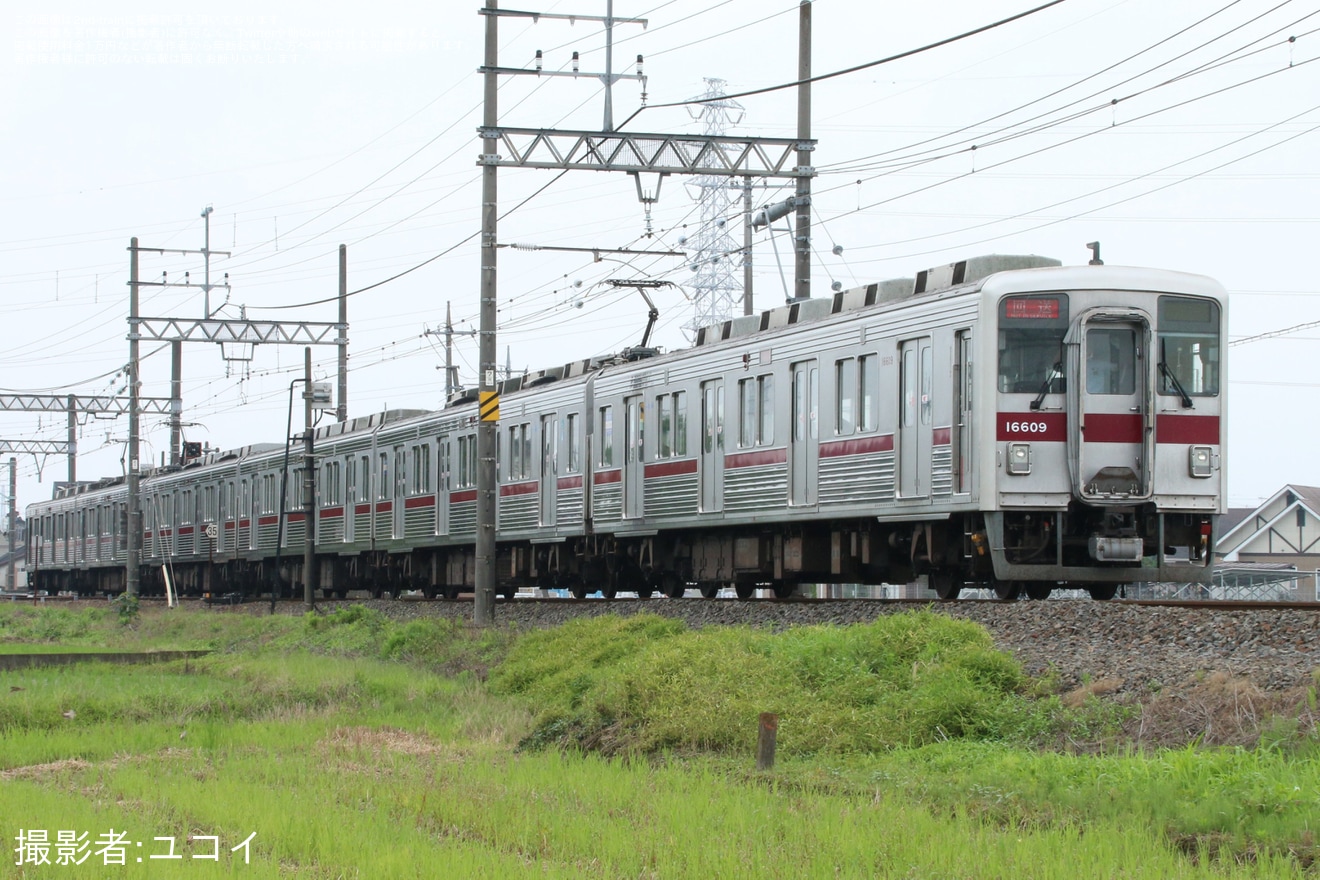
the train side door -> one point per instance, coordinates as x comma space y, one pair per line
916, 379
1114, 408
962, 413
443, 460
549, 493
634, 416
712, 446
804, 438
400, 491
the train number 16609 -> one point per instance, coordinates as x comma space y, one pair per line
1026, 427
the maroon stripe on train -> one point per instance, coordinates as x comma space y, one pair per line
419, 501
754, 459
858, 446
1187, 429
570, 482
942, 436
613, 476
518, 489
672, 468
464, 495
1111, 427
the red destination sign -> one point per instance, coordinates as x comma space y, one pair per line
1037, 308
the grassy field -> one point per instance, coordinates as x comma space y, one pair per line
352, 746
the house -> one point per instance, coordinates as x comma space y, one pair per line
1283, 532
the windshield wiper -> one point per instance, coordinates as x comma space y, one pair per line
1055, 372
1173, 380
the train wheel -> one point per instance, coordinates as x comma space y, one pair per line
609, 590
709, 591
1104, 593
947, 584
450, 592
785, 589
672, 585
1038, 590
578, 590
1008, 591
744, 591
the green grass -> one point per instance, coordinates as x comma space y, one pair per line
645, 683
352, 747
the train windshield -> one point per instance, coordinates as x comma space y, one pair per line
1031, 331
1188, 346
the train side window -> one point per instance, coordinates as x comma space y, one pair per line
520, 452
422, 479
845, 396
869, 386
756, 411
383, 486
765, 392
467, 461
747, 412
574, 443
606, 435
680, 423
664, 435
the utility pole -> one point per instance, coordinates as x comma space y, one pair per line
309, 484
449, 351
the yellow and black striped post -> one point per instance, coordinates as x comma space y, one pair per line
490, 406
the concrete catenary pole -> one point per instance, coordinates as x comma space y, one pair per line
483, 605
134, 543
72, 405
341, 411
176, 402
747, 246
13, 522
309, 484
802, 265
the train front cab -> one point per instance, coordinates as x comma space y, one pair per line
1108, 433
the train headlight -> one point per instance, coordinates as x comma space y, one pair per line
1019, 458
1200, 461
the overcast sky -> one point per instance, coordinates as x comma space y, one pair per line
1180, 135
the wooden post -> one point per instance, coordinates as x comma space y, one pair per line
765, 741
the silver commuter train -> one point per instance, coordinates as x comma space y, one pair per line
1004, 422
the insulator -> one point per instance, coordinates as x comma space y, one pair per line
575, 62
538, 60
838, 250
639, 65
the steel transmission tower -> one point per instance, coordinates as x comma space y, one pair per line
715, 257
